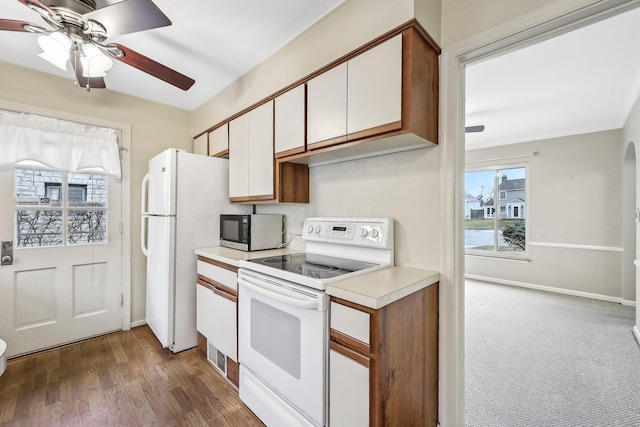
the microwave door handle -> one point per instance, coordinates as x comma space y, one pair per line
271, 293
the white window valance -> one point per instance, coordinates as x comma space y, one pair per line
58, 144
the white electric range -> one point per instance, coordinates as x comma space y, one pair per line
283, 319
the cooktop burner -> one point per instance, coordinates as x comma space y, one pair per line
312, 265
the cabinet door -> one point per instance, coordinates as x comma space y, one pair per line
219, 141
225, 332
204, 313
261, 160
348, 392
200, 145
238, 155
327, 106
289, 116
375, 87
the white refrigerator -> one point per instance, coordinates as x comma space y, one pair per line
183, 195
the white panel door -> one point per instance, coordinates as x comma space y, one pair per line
219, 140
375, 87
261, 150
238, 156
65, 282
327, 105
289, 119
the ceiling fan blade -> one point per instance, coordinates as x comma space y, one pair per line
471, 129
86, 82
129, 16
23, 26
39, 7
149, 66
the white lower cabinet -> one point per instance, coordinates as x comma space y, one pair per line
348, 392
216, 320
217, 315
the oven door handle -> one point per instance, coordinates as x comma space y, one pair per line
272, 293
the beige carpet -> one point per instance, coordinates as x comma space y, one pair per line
537, 358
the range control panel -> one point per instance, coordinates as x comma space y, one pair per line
369, 232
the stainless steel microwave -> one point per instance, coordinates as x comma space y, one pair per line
251, 232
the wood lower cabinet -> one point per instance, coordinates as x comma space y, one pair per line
217, 315
383, 364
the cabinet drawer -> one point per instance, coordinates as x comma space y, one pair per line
221, 275
351, 322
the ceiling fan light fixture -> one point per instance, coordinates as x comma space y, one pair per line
55, 48
94, 62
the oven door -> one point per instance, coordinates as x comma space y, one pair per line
283, 334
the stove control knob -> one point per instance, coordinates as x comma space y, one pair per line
317, 229
364, 232
310, 229
375, 233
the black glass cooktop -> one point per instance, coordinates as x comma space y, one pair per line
312, 265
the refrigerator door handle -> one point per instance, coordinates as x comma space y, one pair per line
143, 197
143, 234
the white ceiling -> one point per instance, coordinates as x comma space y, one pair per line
212, 41
583, 81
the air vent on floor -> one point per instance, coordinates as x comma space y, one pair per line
217, 358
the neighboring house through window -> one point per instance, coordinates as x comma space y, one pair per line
486, 232
55, 208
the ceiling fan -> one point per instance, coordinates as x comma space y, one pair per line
79, 32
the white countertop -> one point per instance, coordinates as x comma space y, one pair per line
373, 290
234, 256
382, 287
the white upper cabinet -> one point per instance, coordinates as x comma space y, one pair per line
238, 156
219, 141
200, 145
261, 150
327, 105
375, 87
251, 160
290, 121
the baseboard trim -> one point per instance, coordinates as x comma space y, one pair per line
138, 323
551, 289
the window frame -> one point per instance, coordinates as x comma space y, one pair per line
502, 205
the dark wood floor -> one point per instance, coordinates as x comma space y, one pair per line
120, 379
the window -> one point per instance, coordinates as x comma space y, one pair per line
503, 233
54, 208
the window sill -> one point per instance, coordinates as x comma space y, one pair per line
506, 257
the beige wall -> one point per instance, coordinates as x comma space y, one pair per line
154, 127
574, 199
630, 142
349, 26
462, 19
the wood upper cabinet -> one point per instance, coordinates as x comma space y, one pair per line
385, 92
383, 364
219, 141
357, 99
327, 107
289, 118
375, 89
251, 158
